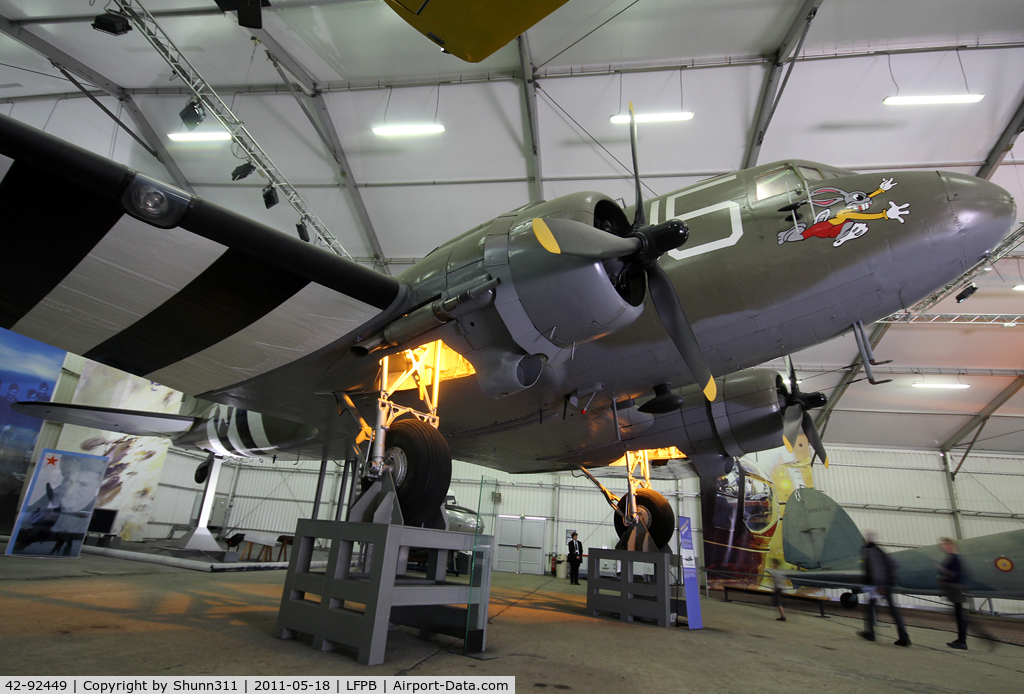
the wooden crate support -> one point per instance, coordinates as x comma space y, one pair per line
622, 595
345, 606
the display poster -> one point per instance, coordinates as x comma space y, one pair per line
28, 371
743, 512
135, 461
58, 505
691, 580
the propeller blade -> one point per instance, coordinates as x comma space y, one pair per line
812, 436
666, 301
792, 376
639, 218
791, 419
569, 237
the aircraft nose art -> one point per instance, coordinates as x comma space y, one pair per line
984, 212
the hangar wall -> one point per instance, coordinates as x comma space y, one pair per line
902, 495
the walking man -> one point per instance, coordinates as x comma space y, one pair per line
880, 578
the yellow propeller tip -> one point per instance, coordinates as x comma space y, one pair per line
545, 237
789, 446
826, 463
711, 390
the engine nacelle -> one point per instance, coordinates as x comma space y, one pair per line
745, 418
568, 300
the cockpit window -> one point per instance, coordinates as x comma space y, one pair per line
810, 174
776, 182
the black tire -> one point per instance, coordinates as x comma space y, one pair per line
663, 519
849, 600
428, 472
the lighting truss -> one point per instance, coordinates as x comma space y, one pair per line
911, 314
142, 20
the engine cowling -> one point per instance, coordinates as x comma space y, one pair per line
544, 303
746, 418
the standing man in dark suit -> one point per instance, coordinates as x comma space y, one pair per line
575, 558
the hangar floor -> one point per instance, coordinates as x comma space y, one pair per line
104, 616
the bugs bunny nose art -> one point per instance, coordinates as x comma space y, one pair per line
848, 222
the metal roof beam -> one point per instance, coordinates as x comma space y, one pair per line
315, 108
108, 86
1003, 145
277, 6
980, 418
530, 104
774, 82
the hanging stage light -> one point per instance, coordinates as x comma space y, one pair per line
303, 232
270, 196
242, 170
967, 293
248, 11
110, 23
193, 114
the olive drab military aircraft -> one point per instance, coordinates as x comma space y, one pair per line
820, 537
562, 335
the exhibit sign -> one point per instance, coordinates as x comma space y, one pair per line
136, 462
691, 581
28, 371
58, 504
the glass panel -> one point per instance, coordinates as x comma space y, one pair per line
480, 561
810, 174
776, 182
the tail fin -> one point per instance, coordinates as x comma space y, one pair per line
817, 533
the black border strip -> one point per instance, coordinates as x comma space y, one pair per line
47, 226
234, 292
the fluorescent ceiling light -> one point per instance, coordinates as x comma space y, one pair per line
936, 99
1019, 288
208, 136
409, 129
941, 385
620, 118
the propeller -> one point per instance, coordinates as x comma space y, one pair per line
796, 416
639, 251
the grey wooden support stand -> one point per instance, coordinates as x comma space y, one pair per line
630, 600
325, 603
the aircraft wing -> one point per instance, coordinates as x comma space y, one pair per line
122, 269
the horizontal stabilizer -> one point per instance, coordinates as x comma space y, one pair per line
817, 533
131, 422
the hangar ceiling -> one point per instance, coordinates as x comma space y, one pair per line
507, 140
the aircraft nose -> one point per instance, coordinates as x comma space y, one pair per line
983, 211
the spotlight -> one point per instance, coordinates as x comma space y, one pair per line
270, 196
248, 11
110, 23
303, 232
242, 170
967, 293
192, 115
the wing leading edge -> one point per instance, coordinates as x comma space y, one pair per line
208, 301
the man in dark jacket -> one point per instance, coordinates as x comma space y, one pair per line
879, 579
951, 580
575, 558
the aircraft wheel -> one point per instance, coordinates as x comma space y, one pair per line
849, 600
662, 519
421, 465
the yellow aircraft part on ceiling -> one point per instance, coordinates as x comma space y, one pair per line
473, 30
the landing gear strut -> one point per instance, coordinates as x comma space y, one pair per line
411, 448
644, 520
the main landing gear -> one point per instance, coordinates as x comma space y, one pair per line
411, 448
644, 520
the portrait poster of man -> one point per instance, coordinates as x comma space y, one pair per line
58, 505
